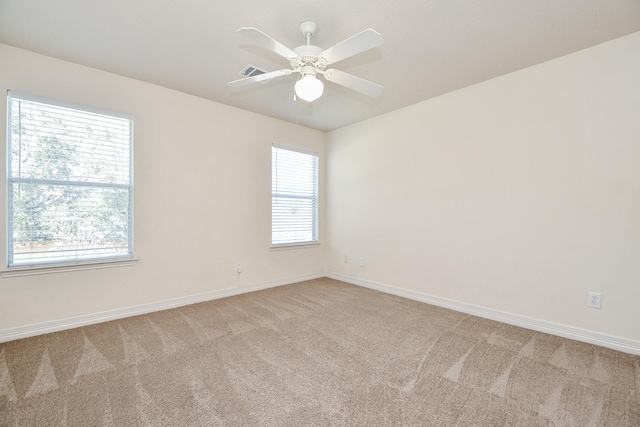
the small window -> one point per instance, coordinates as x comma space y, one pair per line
294, 197
70, 189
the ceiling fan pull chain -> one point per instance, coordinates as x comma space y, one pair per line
295, 95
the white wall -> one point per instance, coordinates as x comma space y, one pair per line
202, 196
519, 194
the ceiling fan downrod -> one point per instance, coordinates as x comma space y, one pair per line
308, 30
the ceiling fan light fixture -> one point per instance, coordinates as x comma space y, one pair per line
309, 88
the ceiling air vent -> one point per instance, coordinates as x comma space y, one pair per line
251, 70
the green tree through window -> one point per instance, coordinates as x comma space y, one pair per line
70, 186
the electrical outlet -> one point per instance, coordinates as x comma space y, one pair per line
362, 264
238, 267
346, 259
593, 299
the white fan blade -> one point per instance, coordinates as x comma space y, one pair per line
260, 77
365, 40
352, 82
267, 42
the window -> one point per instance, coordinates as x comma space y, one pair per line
294, 197
70, 193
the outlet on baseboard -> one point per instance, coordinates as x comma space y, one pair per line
362, 263
593, 299
238, 267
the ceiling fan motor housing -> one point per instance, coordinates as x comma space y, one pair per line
308, 55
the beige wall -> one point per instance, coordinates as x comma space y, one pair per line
519, 194
202, 196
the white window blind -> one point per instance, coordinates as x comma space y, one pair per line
294, 197
70, 188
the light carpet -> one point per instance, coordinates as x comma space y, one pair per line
315, 353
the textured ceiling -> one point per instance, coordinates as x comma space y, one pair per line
431, 47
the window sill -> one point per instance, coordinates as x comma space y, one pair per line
62, 268
288, 246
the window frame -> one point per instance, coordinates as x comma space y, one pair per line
73, 262
314, 201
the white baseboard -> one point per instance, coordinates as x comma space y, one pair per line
11, 334
578, 334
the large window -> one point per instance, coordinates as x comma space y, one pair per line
294, 197
69, 183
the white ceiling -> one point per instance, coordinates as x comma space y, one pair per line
431, 47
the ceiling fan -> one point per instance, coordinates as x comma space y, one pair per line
309, 61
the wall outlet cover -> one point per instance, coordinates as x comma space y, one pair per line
594, 299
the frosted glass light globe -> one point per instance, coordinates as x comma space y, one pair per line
309, 88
